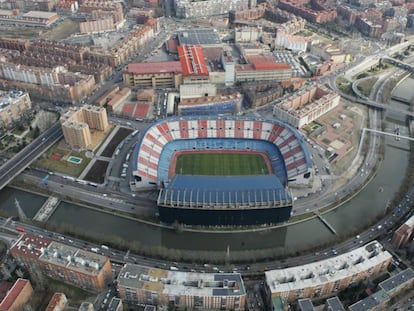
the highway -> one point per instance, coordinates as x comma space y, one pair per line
86, 194
17, 164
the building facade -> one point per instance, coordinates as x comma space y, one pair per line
211, 105
403, 235
306, 105
14, 105
183, 290
18, 296
153, 75
76, 125
327, 276
263, 71
55, 83
68, 264
192, 9
58, 302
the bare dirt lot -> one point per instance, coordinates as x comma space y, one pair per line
58, 32
62, 30
118, 137
97, 172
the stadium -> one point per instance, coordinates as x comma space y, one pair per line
221, 171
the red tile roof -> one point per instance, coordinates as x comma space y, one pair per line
53, 303
192, 60
156, 67
270, 66
15, 291
36, 243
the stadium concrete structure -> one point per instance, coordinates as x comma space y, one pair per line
222, 200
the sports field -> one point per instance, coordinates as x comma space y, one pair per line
221, 164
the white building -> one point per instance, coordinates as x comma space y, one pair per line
321, 278
191, 9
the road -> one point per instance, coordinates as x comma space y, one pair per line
86, 194
30, 153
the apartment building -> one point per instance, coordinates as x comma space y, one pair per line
404, 234
182, 290
191, 9
380, 300
153, 75
54, 83
125, 49
18, 296
14, 105
58, 302
312, 10
306, 105
67, 7
324, 277
62, 262
249, 13
76, 124
291, 42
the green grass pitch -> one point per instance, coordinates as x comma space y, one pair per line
221, 164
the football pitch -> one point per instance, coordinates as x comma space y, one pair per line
221, 164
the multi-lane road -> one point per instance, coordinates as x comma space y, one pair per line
14, 166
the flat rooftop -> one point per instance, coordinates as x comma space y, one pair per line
59, 254
370, 302
176, 283
335, 304
10, 98
397, 280
327, 270
153, 68
198, 36
39, 14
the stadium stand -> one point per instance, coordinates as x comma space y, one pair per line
147, 153
221, 200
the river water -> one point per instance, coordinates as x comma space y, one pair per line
351, 216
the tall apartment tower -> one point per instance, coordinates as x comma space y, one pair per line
76, 125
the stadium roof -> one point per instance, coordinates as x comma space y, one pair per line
189, 190
192, 60
198, 36
155, 67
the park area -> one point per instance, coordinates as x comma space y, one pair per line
56, 160
221, 164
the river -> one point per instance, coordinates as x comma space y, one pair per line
351, 216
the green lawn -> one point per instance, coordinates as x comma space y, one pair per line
221, 164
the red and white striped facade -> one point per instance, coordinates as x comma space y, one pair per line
283, 136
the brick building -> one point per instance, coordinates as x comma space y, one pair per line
62, 262
51, 83
324, 277
184, 290
18, 296
306, 105
404, 234
14, 105
312, 10
58, 302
